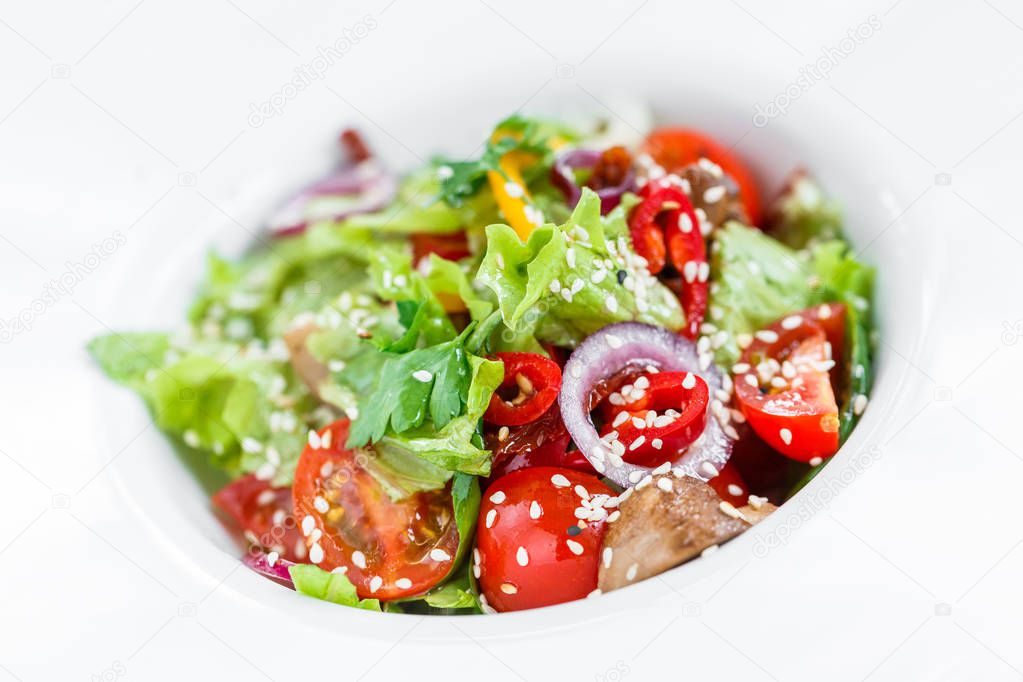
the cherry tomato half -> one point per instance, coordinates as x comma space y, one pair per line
531, 384
388, 549
542, 442
783, 388
674, 148
729, 486
670, 414
265, 514
533, 550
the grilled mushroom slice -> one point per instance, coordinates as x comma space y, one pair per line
714, 193
668, 522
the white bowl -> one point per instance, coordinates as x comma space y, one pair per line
851, 157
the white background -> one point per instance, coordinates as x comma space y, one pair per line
134, 116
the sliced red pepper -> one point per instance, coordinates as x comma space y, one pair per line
452, 246
665, 223
355, 146
531, 384
783, 386
664, 414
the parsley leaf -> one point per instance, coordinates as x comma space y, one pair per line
515, 133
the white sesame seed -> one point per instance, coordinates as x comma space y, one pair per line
567, 295
576, 548
422, 375
751, 379
359, 559
403, 583
476, 571
582, 492
611, 303
824, 311
792, 321
657, 443
554, 286
535, 510
639, 423
272, 558
664, 484
708, 470
637, 443
498, 497
703, 271
308, 523
513, 189
631, 573
613, 516
251, 445
689, 380
662, 469
786, 436
321, 505
570, 257
859, 404
316, 553
756, 501
816, 461
689, 271
314, 440
647, 480
560, 481
620, 419
767, 336
734, 490
438, 554
685, 223
714, 194
729, 510
508, 588
375, 583
522, 556
613, 341
491, 515
598, 276
634, 476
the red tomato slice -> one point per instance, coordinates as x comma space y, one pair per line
674, 148
265, 515
784, 389
532, 549
452, 246
530, 386
388, 549
669, 416
729, 486
541, 442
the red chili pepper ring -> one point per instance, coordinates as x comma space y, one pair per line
531, 384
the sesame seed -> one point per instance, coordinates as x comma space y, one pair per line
792, 321
613, 341
598, 276
647, 480
688, 381
375, 583
689, 271
685, 223
714, 194
316, 553
611, 303
639, 423
535, 510
570, 257
321, 505
786, 436
631, 573
664, 484
491, 515
339, 570
656, 443
620, 419
662, 469
567, 295
816, 461
314, 440
502, 433
403, 583
613, 516
498, 497
359, 559
730, 431
734, 490
708, 470
634, 476
308, 523
422, 375
756, 501
576, 548
637, 443
508, 588
476, 571
729, 510
824, 312
751, 380
743, 339
251, 445
767, 336
522, 556
859, 404
272, 558
513, 189
582, 492
555, 286
438, 554
560, 481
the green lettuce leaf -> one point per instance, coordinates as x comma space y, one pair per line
804, 215
589, 253
333, 587
128, 357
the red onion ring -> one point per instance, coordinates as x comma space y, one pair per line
608, 351
350, 190
277, 572
563, 178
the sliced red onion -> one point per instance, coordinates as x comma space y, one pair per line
563, 177
276, 570
607, 352
360, 188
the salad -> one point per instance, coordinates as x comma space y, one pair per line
516, 380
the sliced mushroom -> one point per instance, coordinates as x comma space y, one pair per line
310, 370
660, 528
706, 181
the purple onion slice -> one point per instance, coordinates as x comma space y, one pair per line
607, 352
563, 177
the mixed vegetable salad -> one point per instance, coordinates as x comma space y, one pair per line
515, 380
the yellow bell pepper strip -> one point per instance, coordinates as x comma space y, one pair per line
511, 193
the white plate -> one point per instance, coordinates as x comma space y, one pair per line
839, 149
